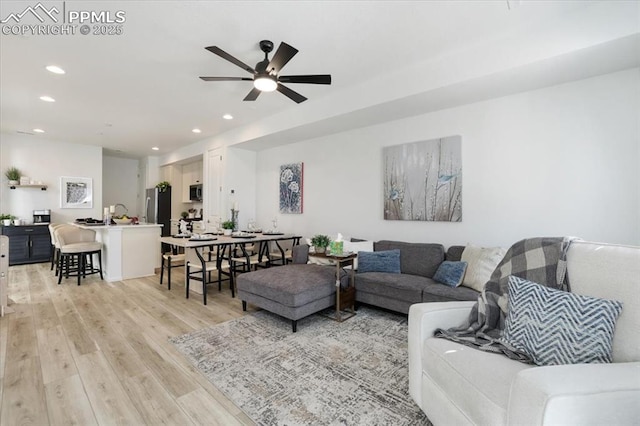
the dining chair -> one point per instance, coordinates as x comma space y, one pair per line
171, 259
195, 270
247, 256
282, 253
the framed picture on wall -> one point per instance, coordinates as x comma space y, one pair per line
291, 181
76, 193
423, 180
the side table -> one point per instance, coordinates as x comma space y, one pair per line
345, 298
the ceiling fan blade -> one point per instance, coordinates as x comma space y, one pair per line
293, 95
226, 78
311, 79
281, 57
253, 95
224, 55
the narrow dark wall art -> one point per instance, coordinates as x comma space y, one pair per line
423, 180
291, 185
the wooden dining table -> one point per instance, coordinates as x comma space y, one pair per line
228, 244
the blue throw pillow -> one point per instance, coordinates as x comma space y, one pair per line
555, 327
451, 273
379, 261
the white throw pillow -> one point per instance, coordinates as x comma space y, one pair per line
356, 247
482, 261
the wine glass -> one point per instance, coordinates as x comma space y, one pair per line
274, 222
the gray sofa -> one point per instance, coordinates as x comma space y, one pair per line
298, 290
418, 264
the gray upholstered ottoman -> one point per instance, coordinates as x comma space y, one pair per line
292, 291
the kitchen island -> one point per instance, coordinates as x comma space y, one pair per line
128, 251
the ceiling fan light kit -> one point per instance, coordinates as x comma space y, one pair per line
265, 83
266, 76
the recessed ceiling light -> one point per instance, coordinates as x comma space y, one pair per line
47, 99
228, 117
38, 130
55, 69
196, 131
155, 148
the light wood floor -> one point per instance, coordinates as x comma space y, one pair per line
99, 353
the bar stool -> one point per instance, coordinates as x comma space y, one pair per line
77, 245
55, 246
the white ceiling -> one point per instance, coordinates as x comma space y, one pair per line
140, 89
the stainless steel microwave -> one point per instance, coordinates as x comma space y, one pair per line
195, 192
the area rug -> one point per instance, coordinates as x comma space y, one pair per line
328, 373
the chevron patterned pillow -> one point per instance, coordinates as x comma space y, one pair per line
556, 327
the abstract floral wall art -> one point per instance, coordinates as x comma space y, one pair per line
291, 179
76, 193
423, 180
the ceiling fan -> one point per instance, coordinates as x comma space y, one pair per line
266, 76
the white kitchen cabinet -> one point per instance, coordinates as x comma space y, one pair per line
173, 175
191, 175
175, 226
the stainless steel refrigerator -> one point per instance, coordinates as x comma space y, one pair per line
158, 209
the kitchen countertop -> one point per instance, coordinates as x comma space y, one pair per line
138, 226
33, 224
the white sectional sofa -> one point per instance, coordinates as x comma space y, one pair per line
458, 385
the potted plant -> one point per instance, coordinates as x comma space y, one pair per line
13, 174
192, 213
6, 219
227, 225
320, 242
184, 215
162, 186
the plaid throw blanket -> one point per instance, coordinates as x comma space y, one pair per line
542, 260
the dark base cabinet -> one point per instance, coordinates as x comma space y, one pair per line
28, 244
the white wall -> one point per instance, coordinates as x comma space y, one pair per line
120, 184
563, 160
46, 160
240, 167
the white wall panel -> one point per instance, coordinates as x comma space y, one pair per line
45, 160
563, 160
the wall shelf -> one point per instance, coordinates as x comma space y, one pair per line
42, 187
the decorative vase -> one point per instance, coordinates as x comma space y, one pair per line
320, 249
6, 222
13, 182
228, 232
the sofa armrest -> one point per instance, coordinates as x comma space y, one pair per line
577, 394
424, 319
